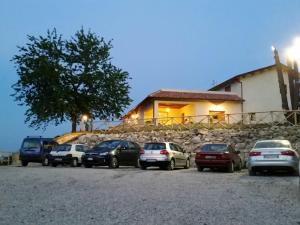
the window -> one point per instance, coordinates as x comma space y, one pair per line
228, 88
131, 145
155, 146
79, 148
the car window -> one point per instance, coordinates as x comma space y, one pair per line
31, 143
131, 145
85, 148
137, 146
62, 148
154, 146
272, 144
79, 148
214, 148
108, 144
172, 147
124, 145
178, 148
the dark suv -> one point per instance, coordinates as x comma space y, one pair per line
36, 149
113, 153
216, 156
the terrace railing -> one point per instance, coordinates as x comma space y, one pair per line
235, 120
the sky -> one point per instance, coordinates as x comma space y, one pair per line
161, 43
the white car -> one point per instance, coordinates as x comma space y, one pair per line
67, 154
165, 155
272, 155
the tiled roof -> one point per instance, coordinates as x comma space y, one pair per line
197, 95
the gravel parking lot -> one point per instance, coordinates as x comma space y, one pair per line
45, 195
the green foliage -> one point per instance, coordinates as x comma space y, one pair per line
60, 79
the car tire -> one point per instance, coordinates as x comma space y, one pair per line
137, 164
74, 162
53, 164
239, 167
24, 163
199, 168
187, 164
171, 165
87, 165
230, 168
251, 172
45, 162
113, 163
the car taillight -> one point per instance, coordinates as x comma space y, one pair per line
288, 152
164, 152
142, 152
254, 153
225, 155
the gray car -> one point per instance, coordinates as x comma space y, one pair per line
272, 155
165, 155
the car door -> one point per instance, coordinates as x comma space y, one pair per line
181, 154
133, 153
176, 154
234, 155
123, 153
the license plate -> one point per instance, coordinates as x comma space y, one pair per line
151, 160
58, 159
210, 157
270, 156
90, 159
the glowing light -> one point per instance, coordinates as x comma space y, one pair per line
293, 52
168, 109
273, 48
217, 108
134, 116
85, 117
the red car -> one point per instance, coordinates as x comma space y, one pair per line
217, 156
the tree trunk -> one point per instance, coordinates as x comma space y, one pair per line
74, 124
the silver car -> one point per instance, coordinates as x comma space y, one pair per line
272, 155
165, 155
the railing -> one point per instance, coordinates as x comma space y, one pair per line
228, 121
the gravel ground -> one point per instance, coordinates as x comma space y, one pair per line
45, 195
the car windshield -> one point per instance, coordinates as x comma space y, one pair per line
31, 143
106, 146
272, 144
154, 146
62, 148
214, 148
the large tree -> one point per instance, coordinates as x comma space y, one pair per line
61, 79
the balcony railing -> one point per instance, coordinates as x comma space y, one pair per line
228, 121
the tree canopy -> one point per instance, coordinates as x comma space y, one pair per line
61, 80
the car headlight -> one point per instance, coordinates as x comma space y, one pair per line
104, 153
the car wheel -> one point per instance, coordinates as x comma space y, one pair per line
137, 164
199, 168
239, 168
113, 163
187, 164
53, 164
171, 165
230, 167
87, 165
143, 167
251, 172
45, 162
74, 162
24, 163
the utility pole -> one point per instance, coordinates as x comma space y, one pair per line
282, 87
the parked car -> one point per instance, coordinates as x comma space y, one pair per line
218, 156
165, 155
36, 149
5, 158
272, 155
113, 153
67, 154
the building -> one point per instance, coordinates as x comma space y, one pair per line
246, 97
182, 106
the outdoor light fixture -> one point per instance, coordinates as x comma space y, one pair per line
273, 48
84, 117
